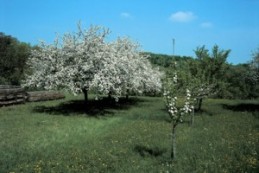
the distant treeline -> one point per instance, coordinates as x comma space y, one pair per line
164, 60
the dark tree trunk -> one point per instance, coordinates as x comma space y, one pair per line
110, 100
85, 91
110, 96
199, 104
127, 95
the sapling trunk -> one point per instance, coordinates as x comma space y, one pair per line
192, 118
173, 147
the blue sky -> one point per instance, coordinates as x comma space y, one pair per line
231, 24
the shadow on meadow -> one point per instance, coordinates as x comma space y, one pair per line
93, 108
248, 107
149, 152
204, 112
244, 107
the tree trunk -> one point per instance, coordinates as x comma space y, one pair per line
192, 118
110, 95
85, 91
127, 95
199, 104
173, 147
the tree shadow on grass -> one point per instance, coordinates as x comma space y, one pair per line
244, 107
202, 112
149, 152
93, 108
248, 107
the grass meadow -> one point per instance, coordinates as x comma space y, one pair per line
129, 136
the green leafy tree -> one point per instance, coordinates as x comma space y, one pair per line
206, 74
240, 84
13, 57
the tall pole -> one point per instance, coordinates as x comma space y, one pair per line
173, 47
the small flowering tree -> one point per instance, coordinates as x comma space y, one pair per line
176, 114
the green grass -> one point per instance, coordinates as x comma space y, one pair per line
134, 136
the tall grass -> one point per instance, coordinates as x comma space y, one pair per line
130, 136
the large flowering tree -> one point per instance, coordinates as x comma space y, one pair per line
84, 61
69, 63
126, 71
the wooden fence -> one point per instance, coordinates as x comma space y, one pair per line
10, 94
44, 96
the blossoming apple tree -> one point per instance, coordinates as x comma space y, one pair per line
84, 61
126, 71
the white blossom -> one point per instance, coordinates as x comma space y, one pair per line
171, 101
84, 60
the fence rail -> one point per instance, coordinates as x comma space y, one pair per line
44, 96
10, 94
